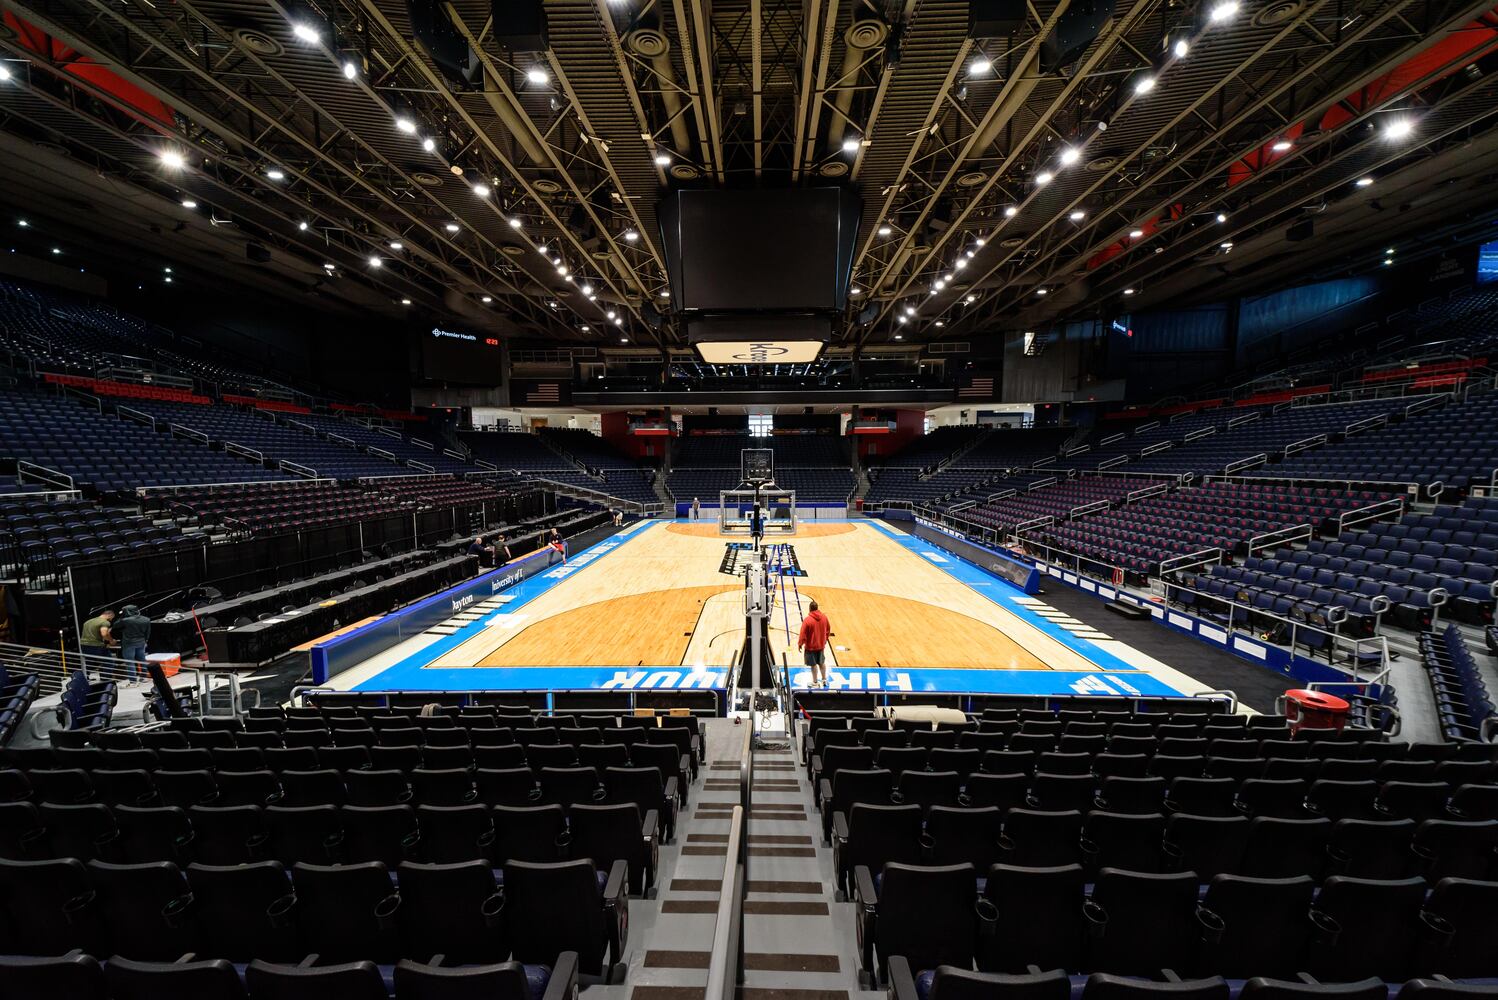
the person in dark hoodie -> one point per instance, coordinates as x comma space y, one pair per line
133, 630
813, 641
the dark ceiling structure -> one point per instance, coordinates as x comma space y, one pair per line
1164, 152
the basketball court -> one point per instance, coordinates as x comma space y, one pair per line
652, 607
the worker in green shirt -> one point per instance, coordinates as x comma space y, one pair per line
97, 639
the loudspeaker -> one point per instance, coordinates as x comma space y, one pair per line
257, 253
520, 25
1302, 230
436, 33
995, 18
1076, 30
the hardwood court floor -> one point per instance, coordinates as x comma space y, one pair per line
659, 600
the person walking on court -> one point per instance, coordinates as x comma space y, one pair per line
813, 642
97, 639
134, 631
696, 509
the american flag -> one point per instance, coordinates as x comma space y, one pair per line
544, 392
978, 387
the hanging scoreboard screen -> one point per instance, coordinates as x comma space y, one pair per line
757, 465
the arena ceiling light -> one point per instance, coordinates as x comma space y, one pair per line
1042, 291
538, 75
1181, 47
482, 190
1011, 211
1128, 291
306, 32
630, 236
1222, 217
376, 262
487, 299
971, 299
1134, 234
429, 144
1282, 146
1144, 85
1077, 216
5, 73
851, 144
397, 245
186, 203
1070, 155
885, 230
662, 160
1223, 11
405, 302
855, 291
172, 159
1363, 182
960, 262
276, 174
1398, 128
1043, 178
515, 222
350, 69
453, 227
406, 125
978, 241
979, 66
302, 226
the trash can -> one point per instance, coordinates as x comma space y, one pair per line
1314, 710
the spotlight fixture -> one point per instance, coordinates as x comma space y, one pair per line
1128, 291
1225, 246
623, 340
1181, 47
1223, 11
1282, 146
1011, 211
397, 245
630, 236
453, 227
1041, 291
330, 268
306, 32
662, 160
586, 289
406, 125
1398, 128
302, 226
971, 299
538, 75
1364, 181
855, 291
4, 73
515, 222
979, 66
375, 262
350, 70
57, 250
885, 230
1077, 216
22, 223
666, 294
1134, 234
487, 299
1070, 155
276, 174
960, 263
405, 302
1043, 178
1388, 262
1222, 217
429, 144
1144, 85
902, 319
172, 159
940, 324
977, 242
851, 144
482, 190
186, 203
612, 315
167, 280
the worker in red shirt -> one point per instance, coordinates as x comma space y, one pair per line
813, 641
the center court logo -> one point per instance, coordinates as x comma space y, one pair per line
761, 354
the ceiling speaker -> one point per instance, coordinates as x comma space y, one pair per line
520, 25
449, 50
1076, 30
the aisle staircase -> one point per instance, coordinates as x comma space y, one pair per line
798, 941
